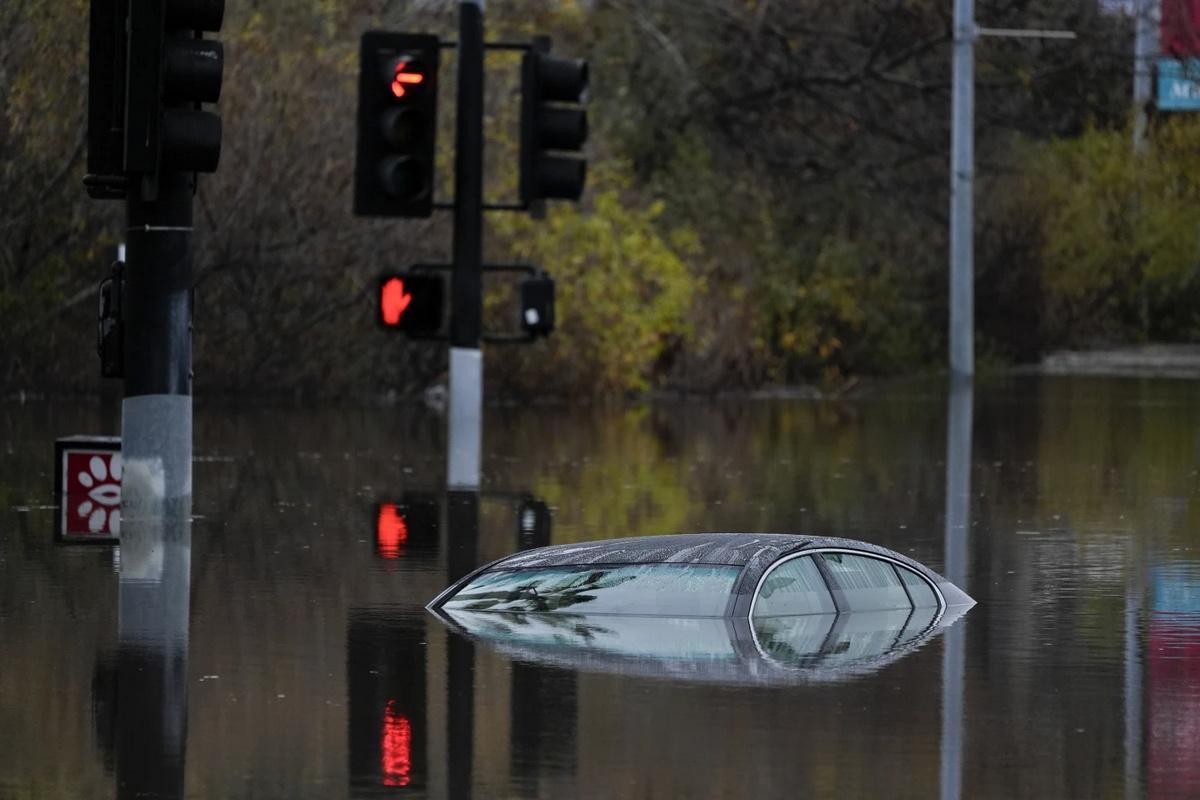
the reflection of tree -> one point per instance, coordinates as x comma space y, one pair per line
775, 583
534, 596
513, 624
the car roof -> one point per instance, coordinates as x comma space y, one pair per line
735, 549
752, 552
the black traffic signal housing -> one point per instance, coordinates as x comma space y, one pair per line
537, 305
106, 99
170, 70
412, 303
397, 125
553, 127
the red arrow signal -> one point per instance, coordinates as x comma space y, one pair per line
393, 300
401, 77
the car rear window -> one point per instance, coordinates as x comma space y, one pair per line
700, 590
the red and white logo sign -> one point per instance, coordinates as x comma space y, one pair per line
91, 504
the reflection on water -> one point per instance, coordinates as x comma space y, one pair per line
295, 658
146, 701
765, 650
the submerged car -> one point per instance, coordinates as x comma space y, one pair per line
733, 608
705, 575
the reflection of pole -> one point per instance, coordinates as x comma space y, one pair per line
462, 537
962, 174
152, 647
958, 524
1133, 689
460, 715
466, 357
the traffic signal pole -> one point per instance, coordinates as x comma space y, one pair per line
466, 308
156, 414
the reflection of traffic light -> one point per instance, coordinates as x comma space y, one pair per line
171, 70
412, 303
408, 527
388, 731
553, 127
397, 125
537, 305
533, 524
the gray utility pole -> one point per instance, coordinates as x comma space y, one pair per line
962, 188
1145, 47
466, 324
962, 179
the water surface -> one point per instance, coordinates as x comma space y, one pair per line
276, 644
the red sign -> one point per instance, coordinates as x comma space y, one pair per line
1180, 30
91, 494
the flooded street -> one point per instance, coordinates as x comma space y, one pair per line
274, 642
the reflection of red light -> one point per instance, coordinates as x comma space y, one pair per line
391, 531
396, 746
393, 300
400, 77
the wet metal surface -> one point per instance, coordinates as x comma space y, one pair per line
273, 642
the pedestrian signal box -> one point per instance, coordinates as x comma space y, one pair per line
411, 303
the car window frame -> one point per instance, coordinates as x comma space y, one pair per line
831, 583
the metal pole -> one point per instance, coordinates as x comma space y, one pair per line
1145, 45
466, 308
962, 173
156, 413
1134, 602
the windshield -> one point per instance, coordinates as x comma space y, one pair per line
700, 590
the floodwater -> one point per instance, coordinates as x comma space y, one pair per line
273, 642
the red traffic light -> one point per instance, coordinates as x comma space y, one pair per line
411, 303
393, 301
405, 73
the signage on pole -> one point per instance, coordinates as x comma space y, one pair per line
1179, 84
88, 488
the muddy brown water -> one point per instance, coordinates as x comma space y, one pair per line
276, 644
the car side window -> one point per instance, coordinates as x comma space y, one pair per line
866, 584
918, 589
794, 587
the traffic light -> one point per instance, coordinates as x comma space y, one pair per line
170, 70
537, 305
106, 99
397, 125
412, 303
553, 127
